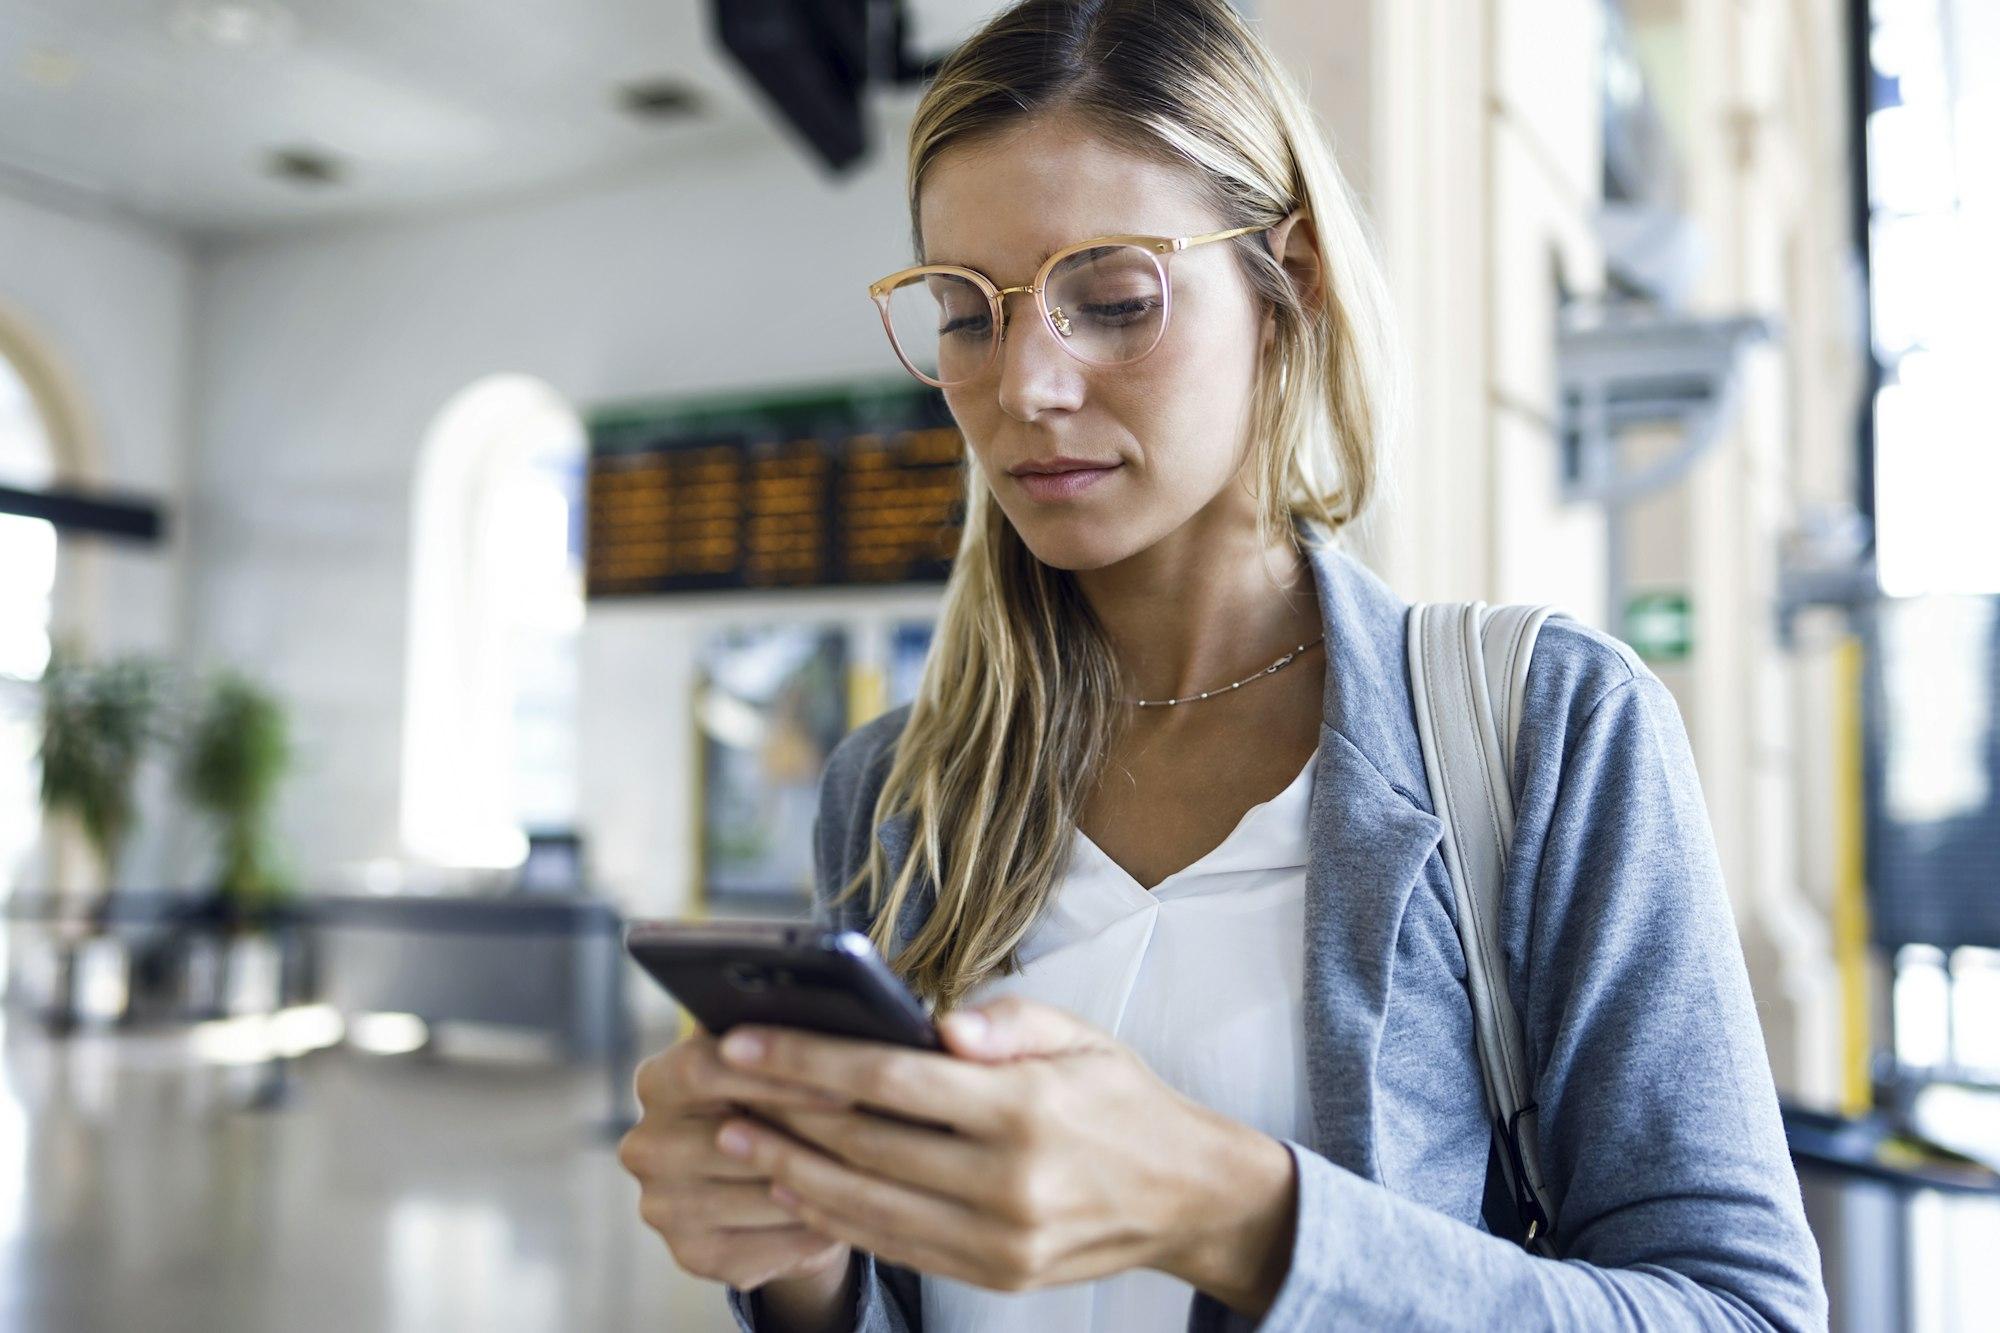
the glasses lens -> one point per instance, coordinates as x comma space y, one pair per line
1108, 303
942, 325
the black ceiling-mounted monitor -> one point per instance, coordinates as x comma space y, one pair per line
814, 60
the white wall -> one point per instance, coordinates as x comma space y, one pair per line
325, 358
105, 303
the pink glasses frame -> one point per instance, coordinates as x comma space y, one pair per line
1154, 246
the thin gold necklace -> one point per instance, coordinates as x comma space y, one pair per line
1278, 665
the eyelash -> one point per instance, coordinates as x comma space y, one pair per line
1137, 306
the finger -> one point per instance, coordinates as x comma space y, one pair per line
884, 1207
952, 1165
708, 1085
736, 1205
994, 1268
1012, 1026
693, 1081
755, 1257
931, 1085
713, 1162
908, 1251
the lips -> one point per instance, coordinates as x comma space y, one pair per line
1052, 466
1063, 485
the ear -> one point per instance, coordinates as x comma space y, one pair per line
1295, 244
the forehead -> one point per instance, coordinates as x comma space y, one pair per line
1002, 205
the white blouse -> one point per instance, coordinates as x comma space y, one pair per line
1203, 977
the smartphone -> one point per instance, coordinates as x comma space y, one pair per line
781, 974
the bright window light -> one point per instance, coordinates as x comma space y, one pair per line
28, 559
387, 1034
495, 618
1934, 196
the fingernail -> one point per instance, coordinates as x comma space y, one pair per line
740, 1048
735, 1141
784, 1196
968, 1025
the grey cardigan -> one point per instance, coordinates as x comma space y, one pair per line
1658, 1120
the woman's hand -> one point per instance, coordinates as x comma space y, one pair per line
1065, 1159
716, 1213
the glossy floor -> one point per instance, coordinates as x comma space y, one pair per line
385, 1193
139, 1190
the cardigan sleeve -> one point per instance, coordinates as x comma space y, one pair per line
887, 1296
1678, 1206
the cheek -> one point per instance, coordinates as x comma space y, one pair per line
1217, 330
978, 419
1187, 434
1190, 406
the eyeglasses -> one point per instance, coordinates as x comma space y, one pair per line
1106, 300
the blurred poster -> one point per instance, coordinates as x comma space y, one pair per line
770, 705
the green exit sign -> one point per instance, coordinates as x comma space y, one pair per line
1659, 626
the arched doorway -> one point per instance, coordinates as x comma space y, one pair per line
27, 592
496, 613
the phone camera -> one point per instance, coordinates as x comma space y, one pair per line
745, 976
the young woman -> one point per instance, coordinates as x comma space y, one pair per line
1158, 814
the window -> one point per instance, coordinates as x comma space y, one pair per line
1933, 203
28, 555
496, 609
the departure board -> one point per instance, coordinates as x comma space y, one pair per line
821, 487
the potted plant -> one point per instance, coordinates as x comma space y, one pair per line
234, 756
98, 720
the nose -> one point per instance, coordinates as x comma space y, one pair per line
1036, 374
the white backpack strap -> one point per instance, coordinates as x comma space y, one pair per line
1468, 672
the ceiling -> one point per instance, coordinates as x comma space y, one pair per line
172, 109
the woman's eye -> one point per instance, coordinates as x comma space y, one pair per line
1121, 312
966, 324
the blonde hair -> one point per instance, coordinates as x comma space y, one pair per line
1018, 706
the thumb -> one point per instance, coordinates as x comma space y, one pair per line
1011, 1027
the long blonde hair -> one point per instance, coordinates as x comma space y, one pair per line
1018, 707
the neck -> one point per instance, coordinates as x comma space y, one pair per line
1202, 608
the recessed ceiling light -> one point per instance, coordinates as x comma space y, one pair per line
235, 25
304, 166
659, 99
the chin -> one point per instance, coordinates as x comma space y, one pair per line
1072, 540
